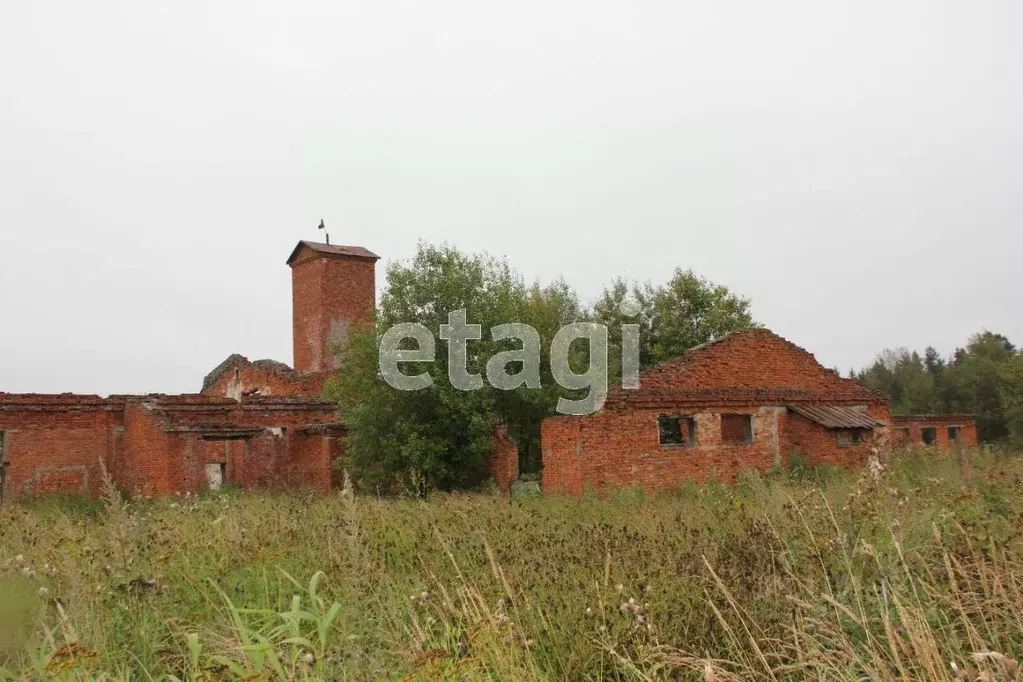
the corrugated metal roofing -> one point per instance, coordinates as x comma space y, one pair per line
338, 250
836, 416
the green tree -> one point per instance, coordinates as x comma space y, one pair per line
439, 437
984, 378
683, 313
984, 374
1012, 396
902, 375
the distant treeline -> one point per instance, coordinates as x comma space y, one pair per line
984, 378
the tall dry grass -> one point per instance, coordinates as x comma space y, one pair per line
906, 571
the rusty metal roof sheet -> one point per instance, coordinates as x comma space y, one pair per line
928, 417
836, 416
335, 250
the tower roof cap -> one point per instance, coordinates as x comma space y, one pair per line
332, 250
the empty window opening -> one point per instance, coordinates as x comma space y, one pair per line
216, 475
954, 433
676, 430
737, 428
929, 435
849, 437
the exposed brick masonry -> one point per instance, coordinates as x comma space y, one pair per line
161, 444
503, 463
333, 290
910, 429
754, 373
239, 377
261, 424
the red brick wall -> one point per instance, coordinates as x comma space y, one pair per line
735, 428
255, 412
275, 453
55, 443
155, 444
563, 465
259, 464
821, 445
143, 458
503, 462
253, 416
330, 295
270, 460
622, 449
754, 359
251, 462
754, 372
916, 423
238, 376
309, 461
188, 455
289, 412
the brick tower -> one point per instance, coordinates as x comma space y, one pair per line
333, 289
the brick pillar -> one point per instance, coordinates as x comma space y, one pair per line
503, 462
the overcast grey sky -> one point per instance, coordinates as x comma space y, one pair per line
853, 167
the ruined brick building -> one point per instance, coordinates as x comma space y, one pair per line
750, 399
253, 424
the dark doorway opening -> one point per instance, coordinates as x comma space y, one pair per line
953, 434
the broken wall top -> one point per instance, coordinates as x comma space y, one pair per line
753, 367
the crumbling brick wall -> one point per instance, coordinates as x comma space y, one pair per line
503, 462
238, 377
753, 373
909, 430
159, 444
261, 463
309, 460
262, 420
144, 460
747, 361
54, 443
561, 443
190, 453
262, 441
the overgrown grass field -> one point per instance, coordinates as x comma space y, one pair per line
906, 571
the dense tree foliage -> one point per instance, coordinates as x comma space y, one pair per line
984, 378
683, 313
438, 437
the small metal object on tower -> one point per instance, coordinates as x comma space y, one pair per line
324, 227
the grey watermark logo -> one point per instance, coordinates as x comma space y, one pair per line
458, 333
